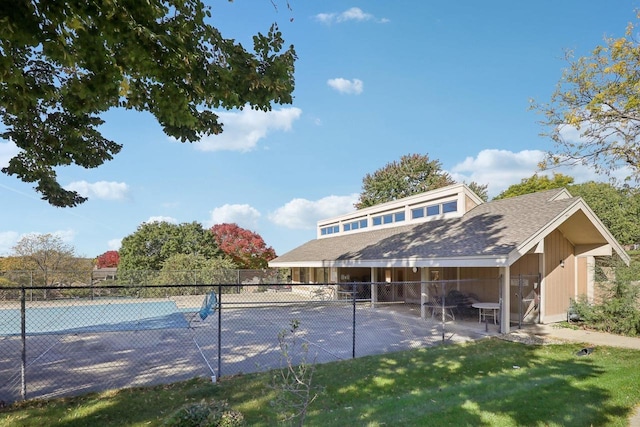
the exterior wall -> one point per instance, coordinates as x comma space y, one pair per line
483, 282
469, 203
583, 276
560, 280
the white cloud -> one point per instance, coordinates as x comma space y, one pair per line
160, 218
100, 190
7, 151
352, 14
245, 216
114, 244
8, 240
497, 168
350, 87
502, 168
66, 236
304, 214
242, 130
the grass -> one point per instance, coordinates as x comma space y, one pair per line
490, 382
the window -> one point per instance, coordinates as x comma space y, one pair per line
387, 219
332, 229
398, 217
450, 206
433, 210
377, 220
354, 225
417, 213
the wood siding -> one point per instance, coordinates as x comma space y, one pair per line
559, 285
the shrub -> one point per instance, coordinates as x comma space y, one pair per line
618, 311
205, 414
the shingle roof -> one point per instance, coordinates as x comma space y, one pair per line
489, 230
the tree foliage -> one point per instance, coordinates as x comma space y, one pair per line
594, 114
616, 308
196, 269
46, 252
53, 260
247, 248
413, 174
617, 208
154, 242
63, 63
481, 190
108, 259
534, 184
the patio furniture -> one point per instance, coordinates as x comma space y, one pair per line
491, 309
436, 306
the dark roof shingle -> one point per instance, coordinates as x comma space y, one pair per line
490, 229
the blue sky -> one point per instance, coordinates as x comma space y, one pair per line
375, 80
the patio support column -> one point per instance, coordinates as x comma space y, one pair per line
424, 274
591, 268
505, 306
374, 287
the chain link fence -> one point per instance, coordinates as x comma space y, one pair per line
72, 338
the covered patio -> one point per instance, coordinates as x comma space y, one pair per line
519, 260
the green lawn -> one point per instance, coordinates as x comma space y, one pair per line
490, 382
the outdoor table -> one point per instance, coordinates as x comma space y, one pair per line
448, 309
484, 307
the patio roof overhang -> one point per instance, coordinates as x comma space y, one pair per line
481, 261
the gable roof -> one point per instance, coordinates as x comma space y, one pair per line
496, 233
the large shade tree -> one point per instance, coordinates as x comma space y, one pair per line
594, 114
64, 63
247, 248
155, 242
617, 207
412, 174
536, 183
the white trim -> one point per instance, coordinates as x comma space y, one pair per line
578, 205
456, 192
477, 261
593, 250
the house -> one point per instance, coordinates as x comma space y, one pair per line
532, 252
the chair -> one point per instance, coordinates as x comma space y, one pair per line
209, 305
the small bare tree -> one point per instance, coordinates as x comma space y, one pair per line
46, 253
293, 383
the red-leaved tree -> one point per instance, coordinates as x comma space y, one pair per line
108, 259
247, 249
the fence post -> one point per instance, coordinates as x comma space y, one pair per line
353, 328
520, 301
23, 336
219, 331
444, 320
